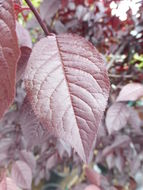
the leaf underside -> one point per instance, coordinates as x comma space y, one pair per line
68, 87
9, 53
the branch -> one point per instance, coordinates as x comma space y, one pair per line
120, 50
35, 12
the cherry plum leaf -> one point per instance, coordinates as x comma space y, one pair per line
22, 62
92, 187
9, 54
67, 86
8, 184
22, 175
117, 117
130, 92
33, 131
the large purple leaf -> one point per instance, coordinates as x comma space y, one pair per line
9, 53
68, 87
131, 92
22, 174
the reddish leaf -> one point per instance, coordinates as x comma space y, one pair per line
34, 132
68, 87
8, 184
93, 177
131, 92
22, 174
120, 141
9, 53
92, 187
22, 62
29, 158
49, 8
117, 117
24, 38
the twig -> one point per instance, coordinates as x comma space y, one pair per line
120, 50
120, 76
35, 12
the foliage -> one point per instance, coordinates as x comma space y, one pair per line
52, 121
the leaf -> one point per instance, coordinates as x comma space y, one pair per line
33, 131
29, 158
7, 183
22, 174
119, 142
49, 8
22, 62
24, 38
117, 117
93, 176
130, 92
68, 87
9, 54
92, 187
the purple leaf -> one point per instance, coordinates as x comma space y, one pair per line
22, 62
8, 184
68, 88
117, 117
48, 8
119, 142
29, 158
130, 92
34, 132
9, 53
22, 175
92, 187
24, 38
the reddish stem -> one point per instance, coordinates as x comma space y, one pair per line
35, 12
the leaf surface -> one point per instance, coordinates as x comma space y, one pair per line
22, 174
131, 92
9, 53
117, 117
68, 87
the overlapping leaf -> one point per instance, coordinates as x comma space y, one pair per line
9, 53
131, 92
68, 87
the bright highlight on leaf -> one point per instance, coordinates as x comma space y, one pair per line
68, 88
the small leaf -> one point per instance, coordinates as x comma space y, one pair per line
24, 38
92, 187
117, 117
22, 62
49, 8
22, 174
9, 54
7, 183
68, 87
131, 92
93, 176
29, 158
